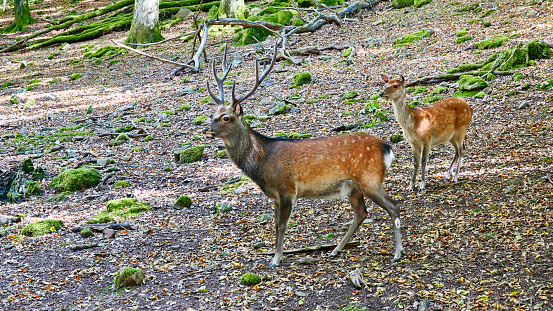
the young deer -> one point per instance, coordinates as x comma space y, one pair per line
445, 121
352, 165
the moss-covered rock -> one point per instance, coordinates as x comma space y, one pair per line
221, 154
75, 76
148, 138
491, 43
250, 279
396, 138
480, 95
301, 79
76, 179
183, 201
120, 139
253, 35
191, 154
120, 209
347, 52
199, 120
297, 22
462, 39
470, 83
412, 37
355, 308
519, 56
463, 68
231, 187
461, 33
87, 232
421, 3
221, 208
128, 276
305, 3
400, 4
121, 184
32, 188
42, 227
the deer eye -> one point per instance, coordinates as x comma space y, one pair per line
395, 86
226, 119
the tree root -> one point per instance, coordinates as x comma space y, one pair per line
454, 76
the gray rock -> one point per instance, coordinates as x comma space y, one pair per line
236, 59
55, 148
102, 162
109, 233
308, 260
127, 88
72, 153
325, 57
78, 138
184, 13
49, 97
259, 245
265, 217
4, 220
523, 104
279, 108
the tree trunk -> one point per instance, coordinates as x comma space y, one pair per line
232, 9
145, 22
22, 17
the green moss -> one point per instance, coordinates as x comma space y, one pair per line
400, 4
199, 120
86, 232
332, 2
305, 3
396, 138
297, 22
464, 68
355, 308
183, 201
432, 99
106, 51
462, 33
518, 56
128, 276
42, 227
420, 90
222, 208
221, 154
168, 112
121, 184
76, 179
301, 79
55, 80
462, 39
231, 187
75, 76
148, 138
412, 37
471, 83
347, 52
421, 3
14, 100
253, 35
486, 24
480, 95
465, 94
250, 279
119, 210
438, 90
349, 94
518, 76
491, 43
526, 86
101, 218
490, 77
185, 107
32, 188
487, 13
191, 154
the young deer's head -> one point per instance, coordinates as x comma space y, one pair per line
394, 87
229, 120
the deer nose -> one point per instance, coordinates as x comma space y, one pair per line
205, 130
381, 94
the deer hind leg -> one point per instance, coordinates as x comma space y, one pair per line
416, 162
283, 210
383, 200
460, 162
457, 148
358, 204
424, 159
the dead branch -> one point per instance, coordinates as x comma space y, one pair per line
162, 41
101, 227
153, 57
454, 76
130, 135
314, 248
84, 246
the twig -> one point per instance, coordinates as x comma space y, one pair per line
153, 57
313, 248
101, 227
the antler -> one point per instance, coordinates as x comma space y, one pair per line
226, 70
258, 80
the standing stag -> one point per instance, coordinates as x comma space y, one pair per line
352, 165
445, 121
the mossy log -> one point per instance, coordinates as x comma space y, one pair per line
454, 76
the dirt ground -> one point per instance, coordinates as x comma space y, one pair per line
482, 243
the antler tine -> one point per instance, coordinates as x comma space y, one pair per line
258, 80
226, 70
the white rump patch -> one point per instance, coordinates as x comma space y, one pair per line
389, 158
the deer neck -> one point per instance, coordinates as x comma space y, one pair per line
245, 149
402, 111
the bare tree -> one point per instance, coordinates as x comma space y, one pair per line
145, 22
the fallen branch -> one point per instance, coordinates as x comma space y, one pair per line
454, 76
153, 57
162, 41
84, 246
313, 248
101, 227
130, 135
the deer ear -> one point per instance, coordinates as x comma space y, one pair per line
385, 77
238, 110
402, 79
214, 107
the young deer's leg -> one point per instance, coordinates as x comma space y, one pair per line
283, 209
358, 204
461, 154
424, 160
416, 162
457, 148
383, 200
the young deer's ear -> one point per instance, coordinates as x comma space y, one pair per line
402, 79
385, 77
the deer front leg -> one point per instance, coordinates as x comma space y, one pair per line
283, 209
384, 201
358, 204
416, 162
424, 159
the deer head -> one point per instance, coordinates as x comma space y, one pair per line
394, 88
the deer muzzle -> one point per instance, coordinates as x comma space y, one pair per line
208, 133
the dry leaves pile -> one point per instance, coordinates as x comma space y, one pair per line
482, 243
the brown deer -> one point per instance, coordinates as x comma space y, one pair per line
445, 121
352, 165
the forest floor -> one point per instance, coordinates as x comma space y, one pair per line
482, 243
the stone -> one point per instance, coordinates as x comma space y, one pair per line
128, 276
42, 227
102, 162
265, 217
109, 233
49, 97
470, 83
279, 108
76, 179
250, 279
183, 201
184, 14
308, 260
523, 104
259, 245
87, 232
